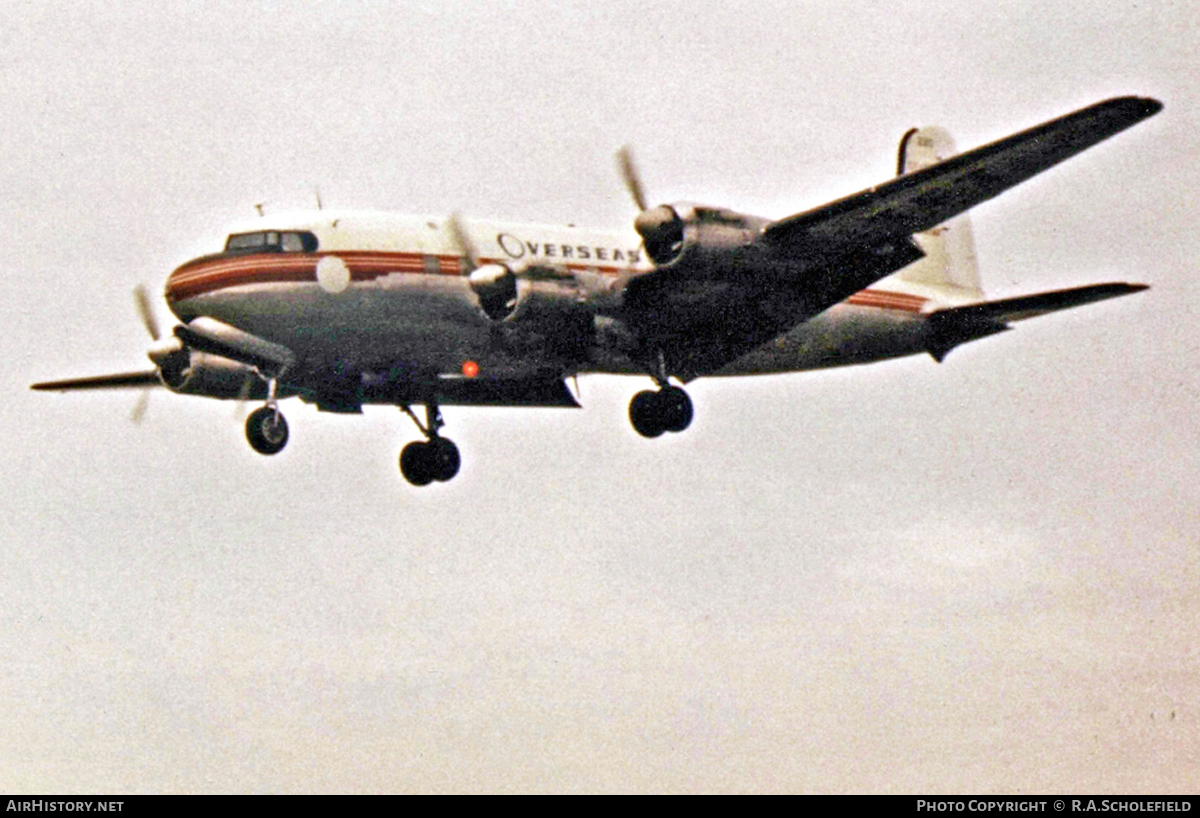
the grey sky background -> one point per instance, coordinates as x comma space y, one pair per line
979, 576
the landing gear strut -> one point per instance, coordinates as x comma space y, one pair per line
266, 428
436, 458
667, 410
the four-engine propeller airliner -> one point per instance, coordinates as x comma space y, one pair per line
347, 309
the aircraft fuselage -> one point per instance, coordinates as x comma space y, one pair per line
402, 301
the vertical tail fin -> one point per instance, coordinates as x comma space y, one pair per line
950, 247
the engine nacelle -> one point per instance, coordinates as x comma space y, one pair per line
712, 237
495, 285
540, 301
190, 372
532, 295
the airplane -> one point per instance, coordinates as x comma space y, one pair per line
346, 309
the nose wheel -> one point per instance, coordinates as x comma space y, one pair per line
267, 430
667, 410
434, 459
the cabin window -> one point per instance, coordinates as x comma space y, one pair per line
271, 241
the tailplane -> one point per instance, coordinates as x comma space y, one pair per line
946, 329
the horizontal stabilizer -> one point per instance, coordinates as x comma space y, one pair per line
948, 328
128, 379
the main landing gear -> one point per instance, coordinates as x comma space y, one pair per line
266, 428
436, 458
667, 410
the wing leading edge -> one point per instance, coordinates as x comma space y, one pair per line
127, 379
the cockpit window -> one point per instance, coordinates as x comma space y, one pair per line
271, 241
292, 242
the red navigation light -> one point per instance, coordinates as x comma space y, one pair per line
470, 369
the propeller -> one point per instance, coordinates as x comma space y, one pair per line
159, 349
139, 409
494, 284
239, 406
146, 313
660, 227
464, 242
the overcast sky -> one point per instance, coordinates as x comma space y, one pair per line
979, 576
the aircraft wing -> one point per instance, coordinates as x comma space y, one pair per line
826, 255
928, 197
956, 325
127, 379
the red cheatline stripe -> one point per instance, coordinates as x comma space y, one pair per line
448, 264
356, 261
199, 277
887, 300
856, 299
176, 292
890, 294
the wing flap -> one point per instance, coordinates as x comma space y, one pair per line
930, 196
527, 392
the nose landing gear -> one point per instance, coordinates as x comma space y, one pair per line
436, 458
266, 428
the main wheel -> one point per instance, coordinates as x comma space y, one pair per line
267, 430
675, 409
444, 458
645, 416
416, 463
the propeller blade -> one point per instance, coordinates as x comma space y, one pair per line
629, 174
146, 312
463, 239
239, 408
139, 408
